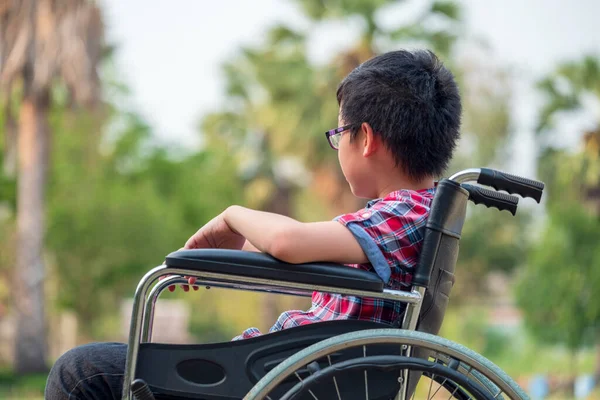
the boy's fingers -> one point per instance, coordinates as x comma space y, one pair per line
190, 244
192, 281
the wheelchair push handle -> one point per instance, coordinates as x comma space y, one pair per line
501, 181
511, 183
490, 198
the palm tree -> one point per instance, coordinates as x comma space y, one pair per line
41, 42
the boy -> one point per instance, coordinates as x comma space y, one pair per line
398, 124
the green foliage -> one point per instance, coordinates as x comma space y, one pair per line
8, 187
492, 241
22, 387
568, 175
512, 349
117, 206
491, 249
447, 8
566, 86
8, 190
557, 289
323, 9
421, 29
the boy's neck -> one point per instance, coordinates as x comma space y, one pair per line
404, 184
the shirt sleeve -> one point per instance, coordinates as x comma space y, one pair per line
382, 231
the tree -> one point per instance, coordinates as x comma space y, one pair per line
556, 290
568, 89
135, 202
41, 41
486, 135
557, 286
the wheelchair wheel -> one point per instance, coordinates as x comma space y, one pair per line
369, 365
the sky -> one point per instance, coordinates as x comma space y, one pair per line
170, 52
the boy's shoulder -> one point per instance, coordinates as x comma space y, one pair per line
403, 204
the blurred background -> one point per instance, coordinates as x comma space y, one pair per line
126, 125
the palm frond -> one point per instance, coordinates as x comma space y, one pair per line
45, 40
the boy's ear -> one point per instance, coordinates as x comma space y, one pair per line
370, 140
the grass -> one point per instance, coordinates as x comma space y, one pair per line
13, 387
513, 350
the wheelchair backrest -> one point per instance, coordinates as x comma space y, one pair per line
435, 269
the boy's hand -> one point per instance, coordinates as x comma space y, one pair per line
216, 234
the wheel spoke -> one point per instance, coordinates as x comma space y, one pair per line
430, 384
337, 389
309, 391
453, 392
366, 379
441, 386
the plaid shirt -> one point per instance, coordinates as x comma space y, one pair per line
390, 231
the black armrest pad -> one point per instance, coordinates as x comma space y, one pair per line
261, 265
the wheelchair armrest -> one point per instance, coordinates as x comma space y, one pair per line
261, 265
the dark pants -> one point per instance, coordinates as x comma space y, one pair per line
93, 371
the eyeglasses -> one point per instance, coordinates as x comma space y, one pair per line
335, 135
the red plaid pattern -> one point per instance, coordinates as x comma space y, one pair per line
390, 231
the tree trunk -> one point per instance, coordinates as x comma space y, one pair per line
33, 148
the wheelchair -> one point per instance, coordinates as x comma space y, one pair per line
347, 359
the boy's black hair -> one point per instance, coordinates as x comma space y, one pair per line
412, 101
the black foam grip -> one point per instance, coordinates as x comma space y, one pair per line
511, 183
141, 391
490, 198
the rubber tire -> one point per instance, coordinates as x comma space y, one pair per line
484, 368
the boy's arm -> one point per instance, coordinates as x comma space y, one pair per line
292, 241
